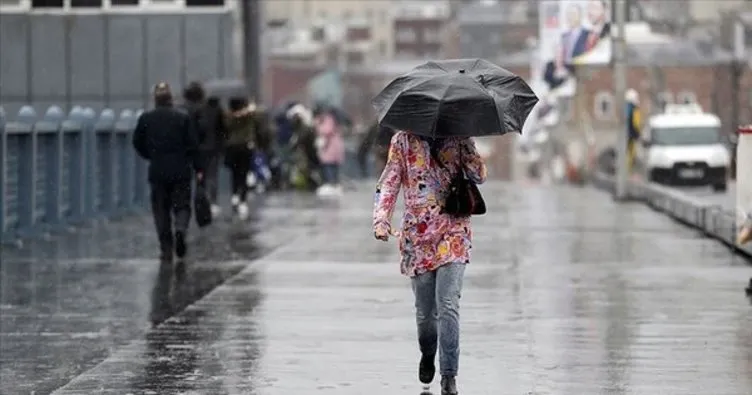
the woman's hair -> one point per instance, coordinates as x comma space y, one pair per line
238, 103
435, 146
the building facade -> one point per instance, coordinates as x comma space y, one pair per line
375, 14
420, 28
493, 29
109, 54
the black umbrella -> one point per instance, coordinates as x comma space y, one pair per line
225, 89
460, 97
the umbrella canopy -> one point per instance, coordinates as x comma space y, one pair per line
460, 97
226, 89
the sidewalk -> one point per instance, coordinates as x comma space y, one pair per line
70, 301
567, 294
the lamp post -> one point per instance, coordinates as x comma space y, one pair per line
620, 88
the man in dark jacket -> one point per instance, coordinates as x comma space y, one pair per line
167, 139
211, 147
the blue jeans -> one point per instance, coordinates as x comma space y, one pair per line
330, 173
437, 313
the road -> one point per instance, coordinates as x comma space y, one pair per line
724, 199
567, 293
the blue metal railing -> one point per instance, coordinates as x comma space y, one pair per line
59, 169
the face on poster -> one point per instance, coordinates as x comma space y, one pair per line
572, 32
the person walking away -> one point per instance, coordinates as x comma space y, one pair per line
166, 138
305, 162
211, 149
633, 126
434, 246
283, 151
193, 105
330, 148
238, 151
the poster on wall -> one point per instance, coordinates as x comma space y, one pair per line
572, 32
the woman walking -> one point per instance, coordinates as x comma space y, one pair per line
434, 246
241, 127
330, 148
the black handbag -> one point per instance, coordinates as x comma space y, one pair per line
464, 198
202, 206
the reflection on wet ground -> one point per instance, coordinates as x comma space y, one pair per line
70, 301
567, 294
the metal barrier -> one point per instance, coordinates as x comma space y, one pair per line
712, 220
64, 169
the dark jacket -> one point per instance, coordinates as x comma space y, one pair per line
241, 128
216, 129
200, 124
167, 139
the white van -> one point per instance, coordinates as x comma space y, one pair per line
683, 146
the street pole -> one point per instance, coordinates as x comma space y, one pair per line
620, 89
251, 23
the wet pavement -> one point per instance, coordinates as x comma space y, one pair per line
567, 293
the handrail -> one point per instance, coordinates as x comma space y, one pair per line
61, 169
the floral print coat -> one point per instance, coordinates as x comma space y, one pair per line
429, 238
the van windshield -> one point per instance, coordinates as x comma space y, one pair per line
688, 135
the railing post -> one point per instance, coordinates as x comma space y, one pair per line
126, 179
140, 171
105, 132
3, 172
27, 152
90, 162
49, 167
74, 164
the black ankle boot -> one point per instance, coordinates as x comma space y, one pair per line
426, 369
448, 385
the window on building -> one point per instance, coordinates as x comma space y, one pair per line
382, 48
604, 105
323, 15
124, 3
46, 3
86, 3
686, 97
347, 15
205, 3
369, 14
431, 35
406, 34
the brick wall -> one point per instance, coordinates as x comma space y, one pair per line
711, 87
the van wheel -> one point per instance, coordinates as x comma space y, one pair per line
721, 187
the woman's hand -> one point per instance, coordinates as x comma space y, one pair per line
381, 234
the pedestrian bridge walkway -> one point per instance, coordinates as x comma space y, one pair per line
567, 293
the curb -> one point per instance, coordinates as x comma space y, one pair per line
712, 220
